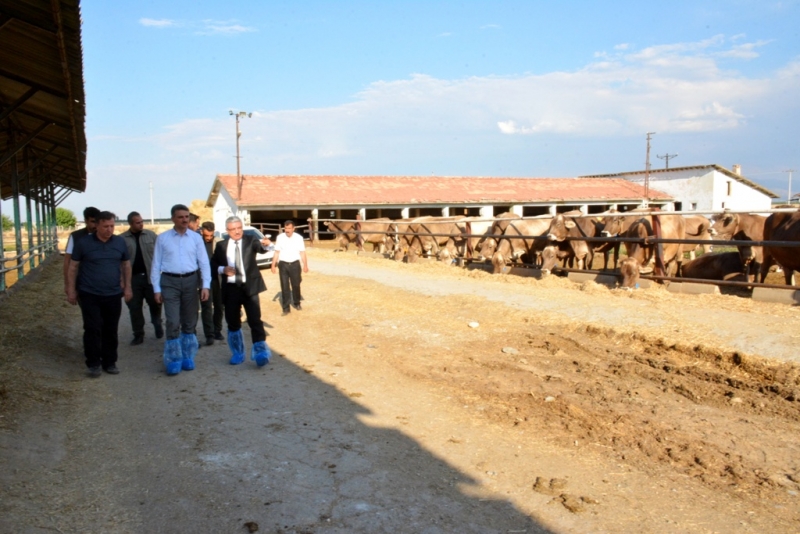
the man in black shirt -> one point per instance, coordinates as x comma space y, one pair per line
141, 243
211, 310
99, 275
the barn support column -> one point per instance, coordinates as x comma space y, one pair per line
362, 213
584, 208
17, 224
404, 213
552, 210
28, 218
314, 230
517, 210
446, 211
613, 207
53, 226
2, 258
487, 212
38, 205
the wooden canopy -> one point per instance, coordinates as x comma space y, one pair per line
42, 108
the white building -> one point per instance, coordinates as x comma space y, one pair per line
704, 188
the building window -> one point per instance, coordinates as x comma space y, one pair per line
693, 206
723, 205
730, 187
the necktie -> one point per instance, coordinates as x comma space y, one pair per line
238, 263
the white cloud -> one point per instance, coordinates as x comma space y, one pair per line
215, 27
157, 23
622, 46
201, 27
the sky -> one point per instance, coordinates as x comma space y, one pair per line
451, 88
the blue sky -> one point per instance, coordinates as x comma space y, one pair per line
491, 88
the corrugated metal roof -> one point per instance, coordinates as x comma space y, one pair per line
304, 190
719, 168
41, 91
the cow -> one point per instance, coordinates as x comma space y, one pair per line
343, 233
782, 227
399, 238
616, 224
697, 227
519, 239
439, 236
672, 227
563, 226
629, 269
742, 227
724, 266
488, 244
373, 231
476, 230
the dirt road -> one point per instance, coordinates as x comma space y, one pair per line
567, 409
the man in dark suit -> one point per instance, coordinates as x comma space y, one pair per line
235, 261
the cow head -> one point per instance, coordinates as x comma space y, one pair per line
724, 224
549, 257
629, 269
487, 248
559, 228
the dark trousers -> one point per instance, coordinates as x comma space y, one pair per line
211, 311
235, 297
100, 322
179, 296
289, 274
142, 292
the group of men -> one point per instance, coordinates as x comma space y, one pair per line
174, 271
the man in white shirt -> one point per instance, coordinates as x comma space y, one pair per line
290, 251
235, 261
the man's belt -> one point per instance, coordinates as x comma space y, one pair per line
184, 275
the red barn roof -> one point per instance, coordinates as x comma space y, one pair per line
304, 190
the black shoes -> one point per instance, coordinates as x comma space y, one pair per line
218, 336
285, 313
159, 330
139, 339
111, 369
298, 307
95, 372
209, 341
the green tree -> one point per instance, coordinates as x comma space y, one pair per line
65, 218
8, 224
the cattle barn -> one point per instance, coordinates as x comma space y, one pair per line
267, 201
704, 188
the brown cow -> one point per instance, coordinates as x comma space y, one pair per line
519, 239
375, 232
697, 227
488, 245
343, 232
742, 227
616, 224
563, 226
672, 227
629, 269
724, 266
782, 227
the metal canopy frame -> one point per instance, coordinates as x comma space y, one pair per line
41, 92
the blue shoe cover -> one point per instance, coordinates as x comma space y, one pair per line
236, 344
172, 356
188, 351
261, 353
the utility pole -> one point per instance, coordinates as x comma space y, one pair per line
789, 194
238, 115
647, 172
667, 157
